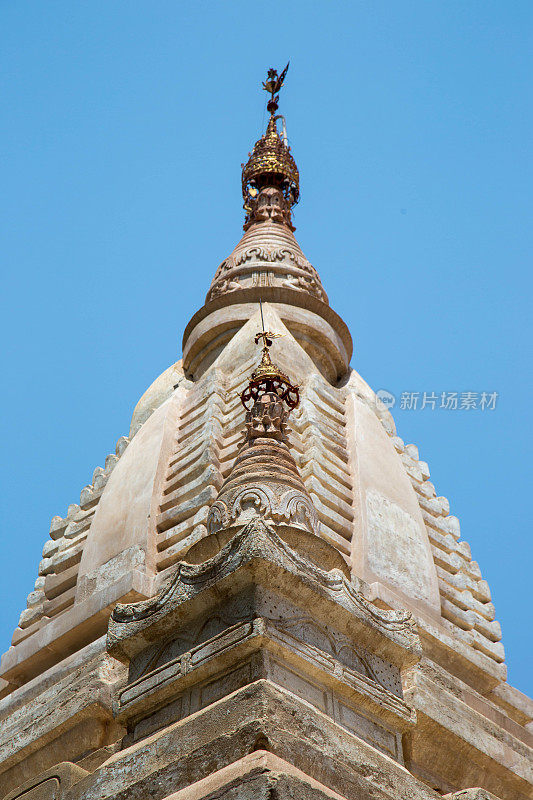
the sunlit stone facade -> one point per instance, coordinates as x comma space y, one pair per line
261, 603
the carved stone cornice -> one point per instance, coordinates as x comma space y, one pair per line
284, 266
256, 554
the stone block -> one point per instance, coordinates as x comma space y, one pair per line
445, 505
412, 451
460, 737
55, 584
424, 469
256, 716
30, 615
50, 547
88, 497
121, 445
57, 527
66, 713
35, 598
52, 784
46, 566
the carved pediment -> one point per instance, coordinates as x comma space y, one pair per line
250, 556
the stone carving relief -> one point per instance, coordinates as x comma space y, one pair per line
268, 203
325, 639
256, 540
265, 612
262, 501
299, 273
304, 284
200, 631
224, 286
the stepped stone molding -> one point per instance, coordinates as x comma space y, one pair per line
466, 607
465, 596
319, 433
55, 587
207, 440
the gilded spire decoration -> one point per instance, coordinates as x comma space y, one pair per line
268, 378
273, 84
270, 178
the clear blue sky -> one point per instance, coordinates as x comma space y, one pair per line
124, 125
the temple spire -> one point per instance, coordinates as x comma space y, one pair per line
270, 178
268, 263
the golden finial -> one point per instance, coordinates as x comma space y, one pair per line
270, 166
268, 378
273, 84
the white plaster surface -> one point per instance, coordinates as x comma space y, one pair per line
122, 519
390, 542
396, 551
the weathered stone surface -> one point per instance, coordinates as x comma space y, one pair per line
259, 555
265, 775
62, 715
71, 630
49, 785
466, 742
251, 718
291, 643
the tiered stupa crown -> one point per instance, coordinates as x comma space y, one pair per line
270, 163
268, 264
270, 179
